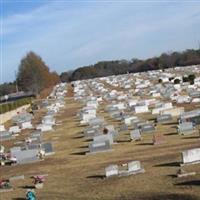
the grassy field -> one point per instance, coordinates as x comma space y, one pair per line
72, 175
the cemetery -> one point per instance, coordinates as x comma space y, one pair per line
117, 137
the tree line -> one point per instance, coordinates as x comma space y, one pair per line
107, 68
34, 75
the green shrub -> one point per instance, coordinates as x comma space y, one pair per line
185, 79
13, 105
176, 81
191, 77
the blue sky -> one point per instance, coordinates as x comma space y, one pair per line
71, 34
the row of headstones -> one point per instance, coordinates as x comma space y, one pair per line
147, 127
184, 127
166, 91
100, 141
191, 156
58, 95
20, 122
103, 145
23, 121
133, 167
139, 107
31, 149
143, 83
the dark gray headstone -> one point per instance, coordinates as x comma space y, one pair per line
147, 128
163, 118
95, 147
48, 148
26, 156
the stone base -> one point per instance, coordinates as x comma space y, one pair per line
127, 173
186, 174
48, 154
192, 163
89, 153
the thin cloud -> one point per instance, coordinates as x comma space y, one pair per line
74, 35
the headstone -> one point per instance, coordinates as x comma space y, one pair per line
138, 124
133, 167
173, 111
14, 129
191, 156
163, 118
135, 135
185, 128
91, 132
26, 125
15, 149
147, 128
44, 127
141, 109
2, 128
22, 117
48, 120
96, 147
129, 119
111, 170
5, 135
2, 149
36, 133
96, 121
104, 137
35, 139
26, 156
48, 148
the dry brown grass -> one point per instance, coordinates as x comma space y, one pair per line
74, 176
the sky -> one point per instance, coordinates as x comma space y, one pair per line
72, 34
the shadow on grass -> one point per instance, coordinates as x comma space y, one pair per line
88, 139
145, 143
78, 137
171, 123
96, 177
19, 198
189, 183
191, 137
157, 196
81, 125
83, 147
79, 153
152, 119
28, 187
172, 175
123, 141
172, 164
173, 133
